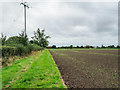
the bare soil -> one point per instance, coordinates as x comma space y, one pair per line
88, 68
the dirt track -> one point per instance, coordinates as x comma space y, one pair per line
86, 69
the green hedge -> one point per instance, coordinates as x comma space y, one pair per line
8, 51
19, 49
36, 47
0, 51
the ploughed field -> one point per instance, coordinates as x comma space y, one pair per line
87, 68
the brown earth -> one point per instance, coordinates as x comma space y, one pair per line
111, 52
86, 69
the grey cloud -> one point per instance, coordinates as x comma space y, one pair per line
67, 23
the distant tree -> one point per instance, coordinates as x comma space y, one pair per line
81, 47
71, 46
88, 46
102, 46
97, 47
53, 46
118, 46
40, 38
3, 39
91, 46
111, 46
77, 47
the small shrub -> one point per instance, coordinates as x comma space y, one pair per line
36, 47
30, 48
21, 50
5, 61
8, 51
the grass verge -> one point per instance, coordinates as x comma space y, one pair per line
38, 71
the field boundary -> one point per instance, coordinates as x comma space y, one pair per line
62, 81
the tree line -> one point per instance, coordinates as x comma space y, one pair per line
86, 46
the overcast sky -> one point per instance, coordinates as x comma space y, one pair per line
67, 23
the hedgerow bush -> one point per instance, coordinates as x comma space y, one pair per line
8, 51
19, 49
0, 51
36, 47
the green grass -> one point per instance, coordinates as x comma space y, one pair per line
38, 71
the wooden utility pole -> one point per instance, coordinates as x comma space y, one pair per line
25, 5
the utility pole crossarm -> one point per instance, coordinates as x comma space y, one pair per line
25, 4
